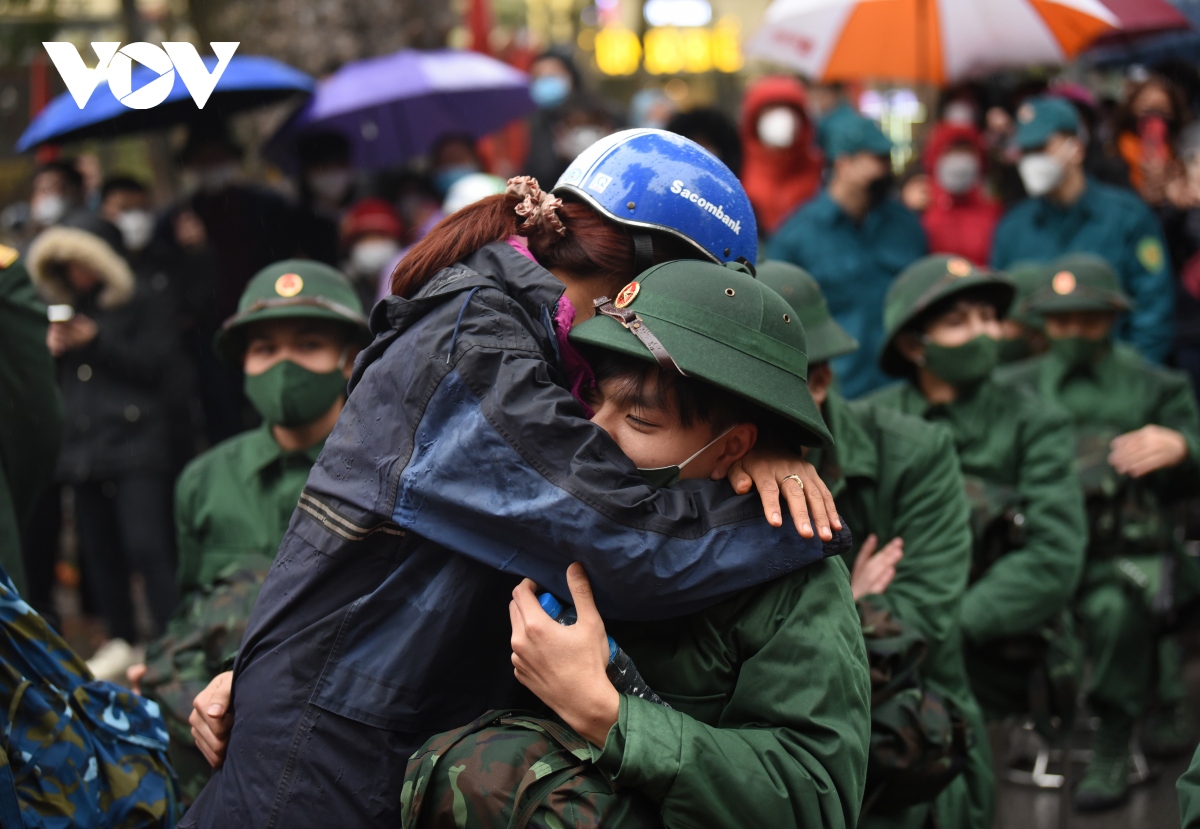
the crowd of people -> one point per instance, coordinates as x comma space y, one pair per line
840, 468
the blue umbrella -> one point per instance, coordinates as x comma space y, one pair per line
248, 82
394, 107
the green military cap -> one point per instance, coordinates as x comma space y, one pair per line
926, 282
287, 290
717, 324
826, 339
854, 133
1043, 116
1079, 282
1029, 277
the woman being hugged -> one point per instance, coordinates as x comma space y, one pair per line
464, 461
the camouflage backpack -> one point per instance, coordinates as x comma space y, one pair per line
515, 769
76, 751
200, 642
919, 739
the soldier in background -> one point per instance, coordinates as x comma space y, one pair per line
1137, 434
298, 328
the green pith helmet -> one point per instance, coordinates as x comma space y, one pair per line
826, 339
856, 134
926, 282
287, 290
719, 325
1029, 277
1079, 282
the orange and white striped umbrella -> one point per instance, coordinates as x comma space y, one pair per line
934, 41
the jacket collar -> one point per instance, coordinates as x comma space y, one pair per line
1081, 206
854, 455
260, 449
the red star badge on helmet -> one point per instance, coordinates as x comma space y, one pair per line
627, 295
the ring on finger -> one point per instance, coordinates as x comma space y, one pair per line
795, 478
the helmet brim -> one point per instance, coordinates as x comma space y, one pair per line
230, 341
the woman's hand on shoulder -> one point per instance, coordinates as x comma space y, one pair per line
772, 470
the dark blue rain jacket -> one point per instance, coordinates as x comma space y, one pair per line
460, 464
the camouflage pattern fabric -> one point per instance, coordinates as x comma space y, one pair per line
919, 739
514, 769
76, 752
201, 641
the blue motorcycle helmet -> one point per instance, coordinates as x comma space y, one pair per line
660, 181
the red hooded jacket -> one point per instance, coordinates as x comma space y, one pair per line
961, 225
777, 180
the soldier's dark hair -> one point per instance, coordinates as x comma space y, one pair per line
987, 294
119, 184
65, 168
693, 401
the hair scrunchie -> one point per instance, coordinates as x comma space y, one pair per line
538, 208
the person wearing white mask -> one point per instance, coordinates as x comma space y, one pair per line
1069, 212
372, 234
960, 217
125, 202
326, 189
56, 191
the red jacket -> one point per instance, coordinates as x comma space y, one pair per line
777, 180
960, 225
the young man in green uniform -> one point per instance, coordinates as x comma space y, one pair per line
1021, 334
1137, 434
897, 484
942, 320
769, 693
1069, 212
296, 332
854, 238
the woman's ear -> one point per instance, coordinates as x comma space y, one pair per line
734, 445
911, 348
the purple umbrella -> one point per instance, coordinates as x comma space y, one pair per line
394, 107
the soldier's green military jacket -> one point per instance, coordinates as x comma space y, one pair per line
895, 475
1119, 393
233, 504
1006, 436
770, 715
1188, 788
31, 409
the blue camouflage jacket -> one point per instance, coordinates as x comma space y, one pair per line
460, 464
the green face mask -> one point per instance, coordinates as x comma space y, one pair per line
1077, 352
1013, 350
963, 365
290, 395
664, 476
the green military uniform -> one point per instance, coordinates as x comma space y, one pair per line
1111, 222
894, 475
232, 508
234, 502
1027, 277
1006, 439
1188, 787
1113, 391
769, 716
31, 409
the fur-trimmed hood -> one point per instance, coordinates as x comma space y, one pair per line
58, 245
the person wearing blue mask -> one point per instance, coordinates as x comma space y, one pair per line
453, 156
554, 82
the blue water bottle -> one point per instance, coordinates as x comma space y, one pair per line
621, 671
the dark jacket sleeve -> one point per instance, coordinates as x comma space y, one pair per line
1146, 275
137, 344
1027, 586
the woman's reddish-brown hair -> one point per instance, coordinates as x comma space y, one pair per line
593, 247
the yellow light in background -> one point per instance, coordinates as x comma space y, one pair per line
697, 50
727, 45
665, 53
618, 51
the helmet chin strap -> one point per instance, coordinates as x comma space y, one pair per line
643, 252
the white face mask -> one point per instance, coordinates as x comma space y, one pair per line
367, 258
578, 139
956, 172
47, 210
332, 184
1040, 173
777, 127
959, 112
136, 227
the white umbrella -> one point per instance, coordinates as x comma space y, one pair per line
934, 41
